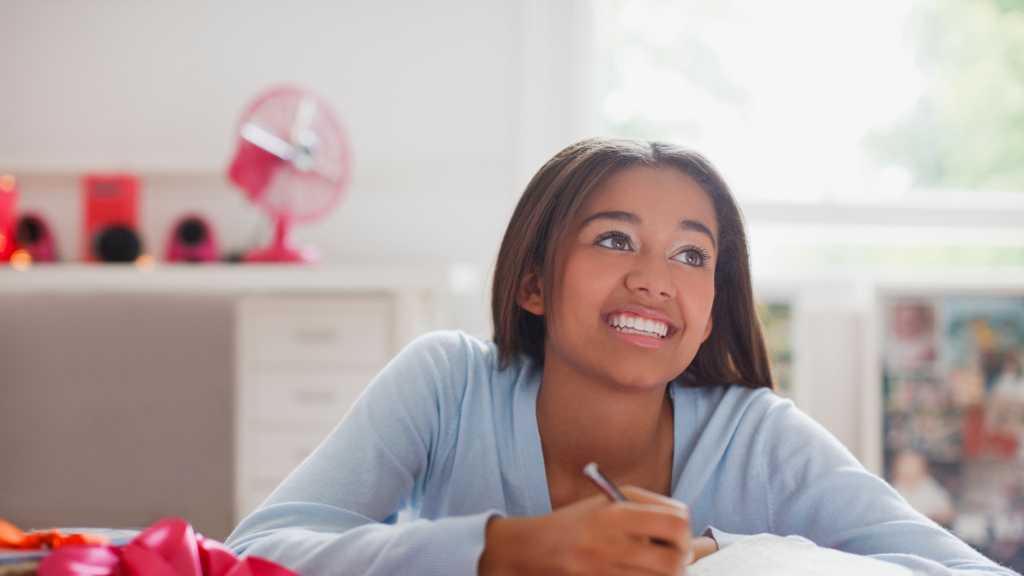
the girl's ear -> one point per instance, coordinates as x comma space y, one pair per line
531, 292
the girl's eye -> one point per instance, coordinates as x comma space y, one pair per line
615, 242
691, 257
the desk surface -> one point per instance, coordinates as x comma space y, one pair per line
226, 279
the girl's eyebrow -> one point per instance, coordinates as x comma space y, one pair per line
698, 227
630, 218
618, 215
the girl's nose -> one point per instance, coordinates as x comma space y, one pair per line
651, 278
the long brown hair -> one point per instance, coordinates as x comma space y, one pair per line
734, 353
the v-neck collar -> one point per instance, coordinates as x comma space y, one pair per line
531, 453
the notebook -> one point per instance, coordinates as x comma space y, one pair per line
771, 555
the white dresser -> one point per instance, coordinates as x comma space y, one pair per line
301, 363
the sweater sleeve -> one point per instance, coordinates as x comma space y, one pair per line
817, 489
337, 512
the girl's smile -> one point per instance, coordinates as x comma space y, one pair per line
641, 326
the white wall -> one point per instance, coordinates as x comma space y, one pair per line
432, 95
159, 85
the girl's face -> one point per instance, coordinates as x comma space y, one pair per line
635, 279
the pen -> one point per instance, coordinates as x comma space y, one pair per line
603, 482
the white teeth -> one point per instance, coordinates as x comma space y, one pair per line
631, 325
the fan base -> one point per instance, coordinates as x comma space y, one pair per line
281, 253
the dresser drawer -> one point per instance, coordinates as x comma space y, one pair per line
276, 454
352, 330
322, 397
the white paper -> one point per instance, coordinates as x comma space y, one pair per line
771, 555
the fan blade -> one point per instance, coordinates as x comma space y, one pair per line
303, 118
267, 141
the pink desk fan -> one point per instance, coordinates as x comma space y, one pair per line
292, 162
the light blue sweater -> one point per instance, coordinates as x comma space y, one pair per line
444, 434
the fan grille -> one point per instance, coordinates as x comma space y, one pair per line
304, 188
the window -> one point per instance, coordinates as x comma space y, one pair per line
882, 103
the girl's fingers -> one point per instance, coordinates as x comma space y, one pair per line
664, 528
647, 558
650, 521
702, 546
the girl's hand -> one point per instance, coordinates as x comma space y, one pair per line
648, 535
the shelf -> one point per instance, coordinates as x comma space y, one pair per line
226, 279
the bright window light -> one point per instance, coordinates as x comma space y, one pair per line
811, 101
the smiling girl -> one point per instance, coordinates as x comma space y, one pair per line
625, 334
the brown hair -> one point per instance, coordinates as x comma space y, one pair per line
734, 353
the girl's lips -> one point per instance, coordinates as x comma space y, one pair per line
637, 311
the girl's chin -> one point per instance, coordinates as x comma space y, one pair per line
637, 383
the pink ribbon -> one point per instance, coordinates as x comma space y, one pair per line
167, 548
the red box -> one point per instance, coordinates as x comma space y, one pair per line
110, 200
8, 215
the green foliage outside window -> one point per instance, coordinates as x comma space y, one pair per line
967, 131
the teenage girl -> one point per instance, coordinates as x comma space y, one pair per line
625, 334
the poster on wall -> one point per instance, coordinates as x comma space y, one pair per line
954, 416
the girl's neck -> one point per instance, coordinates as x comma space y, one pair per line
628, 432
